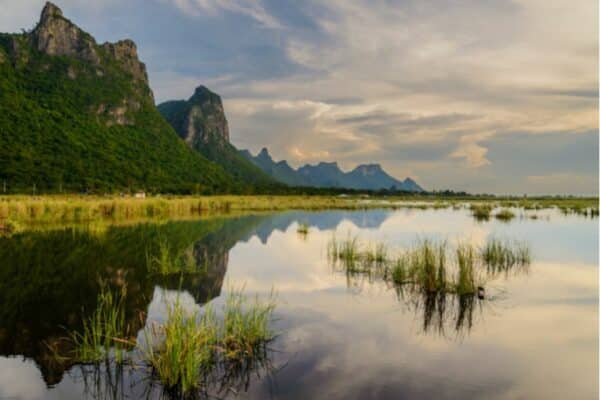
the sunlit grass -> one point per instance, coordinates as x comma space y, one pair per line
186, 348
430, 266
502, 255
481, 212
105, 333
504, 215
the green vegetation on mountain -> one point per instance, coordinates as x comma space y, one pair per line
77, 115
201, 123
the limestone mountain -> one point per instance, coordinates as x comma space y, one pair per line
329, 175
76, 114
200, 121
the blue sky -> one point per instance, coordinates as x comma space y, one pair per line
477, 95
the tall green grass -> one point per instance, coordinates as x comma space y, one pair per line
105, 334
481, 212
182, 351
502, 255
185, 350
504, 215
245, 328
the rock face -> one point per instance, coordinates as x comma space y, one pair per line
200, 121
328, 174
55, 35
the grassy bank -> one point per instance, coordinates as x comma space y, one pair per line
19, 211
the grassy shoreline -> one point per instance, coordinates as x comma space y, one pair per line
26, 210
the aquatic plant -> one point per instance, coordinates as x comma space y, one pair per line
502, 256
245, 328
105, 333
182, 350
164, 262
481, 212
186, 348
504, 215
465, 281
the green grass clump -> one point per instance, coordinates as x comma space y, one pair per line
186, 350
481, 212
504, 215
164, 262
105, 333
245, 330
345, 251
465, 281
501, 256
183, 350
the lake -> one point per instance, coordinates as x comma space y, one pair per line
339, 336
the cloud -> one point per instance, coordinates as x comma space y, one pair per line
253, 9
473, 153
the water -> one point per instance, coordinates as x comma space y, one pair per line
535, 336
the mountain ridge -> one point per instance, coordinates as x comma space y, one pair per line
328, 174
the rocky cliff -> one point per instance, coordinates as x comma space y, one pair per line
78, 115
201, 122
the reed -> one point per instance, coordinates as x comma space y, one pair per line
245, 329
465, 281
105, 333
504, 215
502, 256
186, 348
481, 212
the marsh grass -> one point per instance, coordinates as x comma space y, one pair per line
503, 255
105, 334
504, 215
246, 328
162, 260
481, 212
429, 266
185, 349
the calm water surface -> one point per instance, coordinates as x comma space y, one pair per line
535, 336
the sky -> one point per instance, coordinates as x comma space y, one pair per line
486, 96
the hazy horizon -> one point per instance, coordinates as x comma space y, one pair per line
486, 97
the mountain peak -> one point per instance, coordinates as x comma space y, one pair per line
264, 154
203, 94
50, 10
369, 169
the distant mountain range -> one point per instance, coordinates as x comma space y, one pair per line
328, 174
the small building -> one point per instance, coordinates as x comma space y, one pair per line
140, 195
